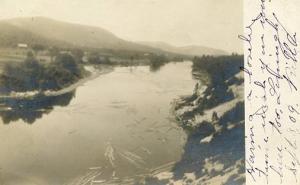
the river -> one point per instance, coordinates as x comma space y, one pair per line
116, 126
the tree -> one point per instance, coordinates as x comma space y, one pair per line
30, 54
67, 62
32, 75
93, 58
32, 70
37, 47
78, 54
157, 61
53, 52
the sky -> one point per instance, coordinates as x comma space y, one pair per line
211, 23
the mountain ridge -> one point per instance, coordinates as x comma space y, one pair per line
73, 34
43, 30
194, 50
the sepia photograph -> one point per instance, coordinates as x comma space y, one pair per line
121, 92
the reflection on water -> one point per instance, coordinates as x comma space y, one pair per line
118, 126
156, 66
30, 109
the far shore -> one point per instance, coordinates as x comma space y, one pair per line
94, 72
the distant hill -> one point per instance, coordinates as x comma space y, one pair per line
49, 32
41, 30
11, 35
193, 50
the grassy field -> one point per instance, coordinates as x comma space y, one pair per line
11, 55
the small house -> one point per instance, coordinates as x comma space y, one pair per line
22, 45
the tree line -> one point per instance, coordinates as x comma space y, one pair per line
33, 75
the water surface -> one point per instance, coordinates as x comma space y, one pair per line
118, 125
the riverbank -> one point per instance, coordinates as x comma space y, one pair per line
213, 118
92, 72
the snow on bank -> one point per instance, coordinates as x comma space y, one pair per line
214, 152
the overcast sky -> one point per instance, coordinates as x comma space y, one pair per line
212, 23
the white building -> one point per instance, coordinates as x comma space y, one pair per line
22, 45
